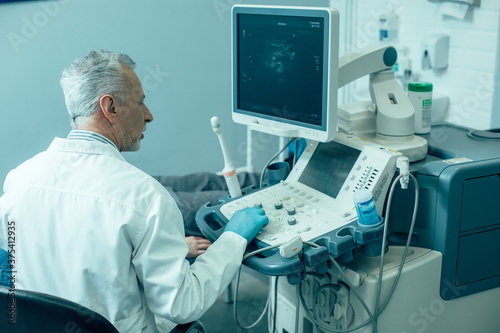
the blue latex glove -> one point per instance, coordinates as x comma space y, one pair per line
247, 222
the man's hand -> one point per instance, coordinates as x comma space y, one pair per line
197, 246
247, 222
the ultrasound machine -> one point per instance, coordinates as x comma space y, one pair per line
431, 263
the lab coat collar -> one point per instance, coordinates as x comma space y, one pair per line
85, 147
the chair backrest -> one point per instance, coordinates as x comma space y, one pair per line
193, 327
28, 311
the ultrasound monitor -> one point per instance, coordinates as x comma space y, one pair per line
285, 70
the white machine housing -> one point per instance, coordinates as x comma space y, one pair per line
415, 306
297, 207
390, 106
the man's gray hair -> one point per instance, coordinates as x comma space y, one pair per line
88, 78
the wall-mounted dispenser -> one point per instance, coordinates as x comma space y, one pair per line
435, 49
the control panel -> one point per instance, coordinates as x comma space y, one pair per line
314, 203
317, 195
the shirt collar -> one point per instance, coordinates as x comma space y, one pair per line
78, 134
93, 147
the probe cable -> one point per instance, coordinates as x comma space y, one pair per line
235, 307
374, 316
273, 158
347, 281
405, 253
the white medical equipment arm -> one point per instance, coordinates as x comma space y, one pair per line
368, 60
395, 112
395, 115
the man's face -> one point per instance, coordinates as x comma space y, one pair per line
134, 115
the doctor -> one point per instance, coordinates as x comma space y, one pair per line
91, 228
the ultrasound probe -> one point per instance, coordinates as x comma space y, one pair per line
229, 172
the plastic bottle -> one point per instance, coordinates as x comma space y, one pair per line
420, 95
388, 24
365, 207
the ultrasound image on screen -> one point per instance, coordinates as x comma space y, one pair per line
329, 167
280, 66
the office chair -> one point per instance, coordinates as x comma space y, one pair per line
37, 312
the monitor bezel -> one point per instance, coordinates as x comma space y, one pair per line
327, 130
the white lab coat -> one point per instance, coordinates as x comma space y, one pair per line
91, 228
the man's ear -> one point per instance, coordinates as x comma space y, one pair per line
108, 107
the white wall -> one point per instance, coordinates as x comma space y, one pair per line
470, 80
182, 49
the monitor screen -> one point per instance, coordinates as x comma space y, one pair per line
285, 65
280, 67
329, 167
